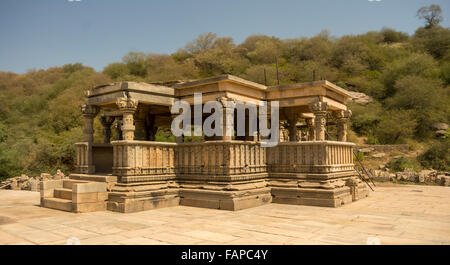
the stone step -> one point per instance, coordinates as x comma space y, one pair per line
68, 183
63, 193
58, 204
97, 178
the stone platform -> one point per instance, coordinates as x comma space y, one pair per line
396, 214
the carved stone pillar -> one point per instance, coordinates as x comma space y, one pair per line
319, 109
127, 106
89, 113
267, 117
341, 117
106, 121
118, 128
292, 116
139, 122
178, 139
227, 119
311, 129
151, 128
292, 128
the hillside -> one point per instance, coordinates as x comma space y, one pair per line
408, 78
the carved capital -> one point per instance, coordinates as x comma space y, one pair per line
342, 114
129, 104
89, 110
309, 122
318, 106
226, 102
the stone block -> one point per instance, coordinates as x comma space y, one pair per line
89, 207
56, 203
143, 204
89, 187
89, 197
51, 184
47, 187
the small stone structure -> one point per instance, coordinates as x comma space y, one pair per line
229, 173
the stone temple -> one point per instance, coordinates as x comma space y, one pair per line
129, 171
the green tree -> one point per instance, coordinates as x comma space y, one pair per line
431, 14
395, 127
116, 70
415, 65
135, 61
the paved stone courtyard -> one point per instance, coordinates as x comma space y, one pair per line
394, 214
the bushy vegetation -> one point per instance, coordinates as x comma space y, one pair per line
407, 76
437, 156
402, 163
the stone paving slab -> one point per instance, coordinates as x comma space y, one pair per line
393, 214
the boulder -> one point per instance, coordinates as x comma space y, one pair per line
378, 155
375, 173
411, 175
385, 176
440, 126
440, 133
366, 150
23, 177
59, 175
34, 184
445, 180
15, 184
425, 176
45, 176
382, 166
392, 176
360, 98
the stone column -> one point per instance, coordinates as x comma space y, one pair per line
106, 121
226, 119
292, 128
266, 116
319, 109
311, 129
127, 106
341, 117
89, 112
178, 139
151, 128
292, 117
118, 128
139, 121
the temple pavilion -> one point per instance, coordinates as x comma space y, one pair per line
128, 171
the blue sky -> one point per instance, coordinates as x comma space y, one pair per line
43, 33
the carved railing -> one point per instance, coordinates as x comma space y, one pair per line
215, 158
310, 157
139, 158
220, 158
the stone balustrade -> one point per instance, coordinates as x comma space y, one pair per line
215, 158
220, 158
310, 157
138, 158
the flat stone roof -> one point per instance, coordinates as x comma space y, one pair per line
231, 78
325, 83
